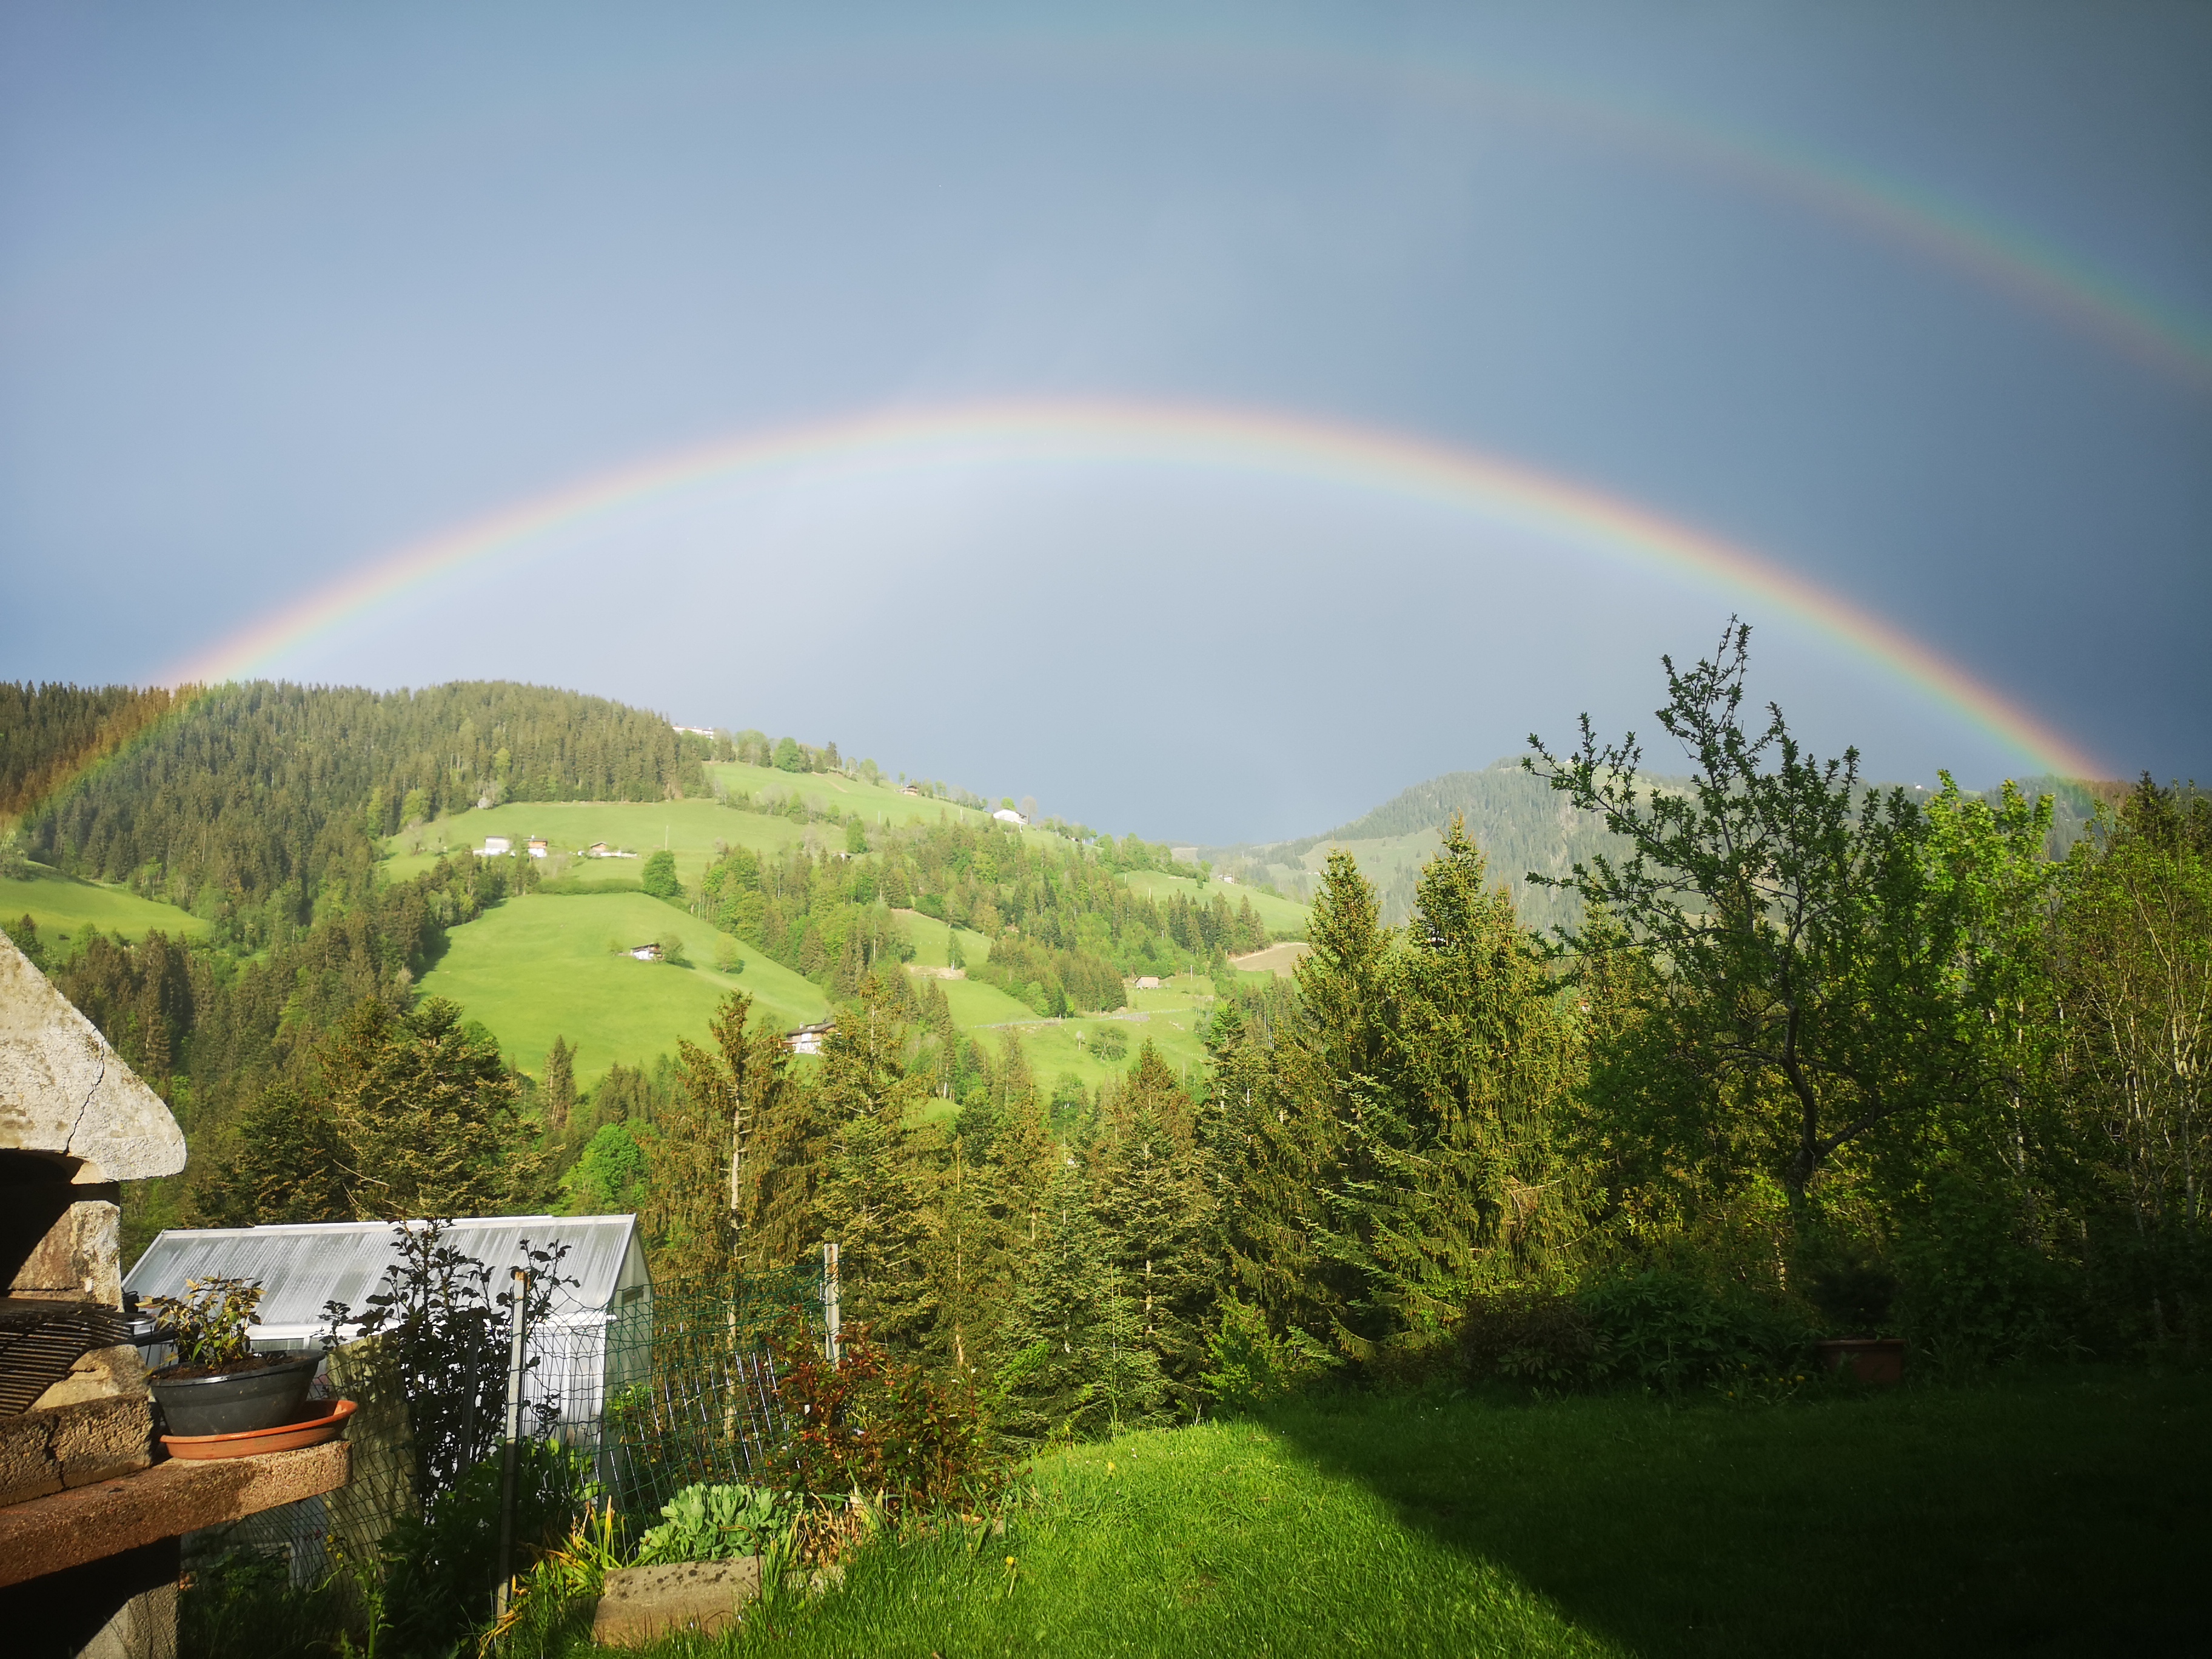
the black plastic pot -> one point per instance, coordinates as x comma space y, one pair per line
237, 1402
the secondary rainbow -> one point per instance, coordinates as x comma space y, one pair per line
1205, 437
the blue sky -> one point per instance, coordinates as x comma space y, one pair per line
283, 290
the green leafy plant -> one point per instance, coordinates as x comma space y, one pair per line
211, 1323
719, 1523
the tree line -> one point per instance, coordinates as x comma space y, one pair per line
1821, 1060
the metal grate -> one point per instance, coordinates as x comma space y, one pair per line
41, 1340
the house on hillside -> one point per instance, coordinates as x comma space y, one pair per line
1148, 983
649, 952
807, 1039
538, 848
911, 789
497, 847
1007, 815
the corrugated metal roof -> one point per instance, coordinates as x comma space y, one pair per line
301, 1268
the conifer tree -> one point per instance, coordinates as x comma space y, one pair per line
1474, 1188
697, 1192
1320, 1149
1069, 1352
424, 1112
874, 1178
556, 1095
1151, 1207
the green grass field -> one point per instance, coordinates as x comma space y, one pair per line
2059, 1514
64, 907
876, 803
543, 967
1280, 915
688, 828
546, 965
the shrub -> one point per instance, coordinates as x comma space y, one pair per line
876, 1426
1252, 1367
1522, 1333
1668, 1330
440, 1569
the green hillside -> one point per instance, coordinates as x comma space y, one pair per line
63, 907
547, 965
689, 828
1518, 821
1281, 916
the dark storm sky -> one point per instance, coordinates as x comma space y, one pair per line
283, 290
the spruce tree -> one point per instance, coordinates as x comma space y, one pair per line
1151, 1207
874, 1176
1069, 1352
556, 1095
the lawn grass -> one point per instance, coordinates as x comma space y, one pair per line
546, 965
2061, 1513
64, 907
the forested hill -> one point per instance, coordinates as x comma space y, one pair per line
1521, 824
270, 795
1518, 821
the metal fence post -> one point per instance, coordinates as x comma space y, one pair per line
830, 1297
520, 1281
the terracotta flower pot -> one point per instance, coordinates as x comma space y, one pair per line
258, 1395
1877, 1360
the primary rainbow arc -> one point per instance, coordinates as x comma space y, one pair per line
1180, 435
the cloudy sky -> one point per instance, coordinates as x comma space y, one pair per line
1909, 305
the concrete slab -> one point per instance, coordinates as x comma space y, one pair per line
641, 1605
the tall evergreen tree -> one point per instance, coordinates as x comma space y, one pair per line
696, 1190
874, 1179
1151, 1207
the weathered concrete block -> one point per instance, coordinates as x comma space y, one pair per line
44, 1451
640, 1604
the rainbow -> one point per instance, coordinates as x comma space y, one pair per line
1218, 439
2032, 272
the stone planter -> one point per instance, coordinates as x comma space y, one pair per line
1876, 1359
260, 1394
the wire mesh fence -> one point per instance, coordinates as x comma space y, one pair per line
675, 1387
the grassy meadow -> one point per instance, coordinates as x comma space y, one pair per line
2053, 1513
547, 965
544, 966
689, 828
1280, 915
63, 907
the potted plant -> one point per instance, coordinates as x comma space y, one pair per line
217, 1384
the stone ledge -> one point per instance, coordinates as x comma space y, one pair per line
88, 1522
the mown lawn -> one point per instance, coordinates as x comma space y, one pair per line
2061, 1513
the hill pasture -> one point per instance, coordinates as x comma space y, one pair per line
547, 965
64, 907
